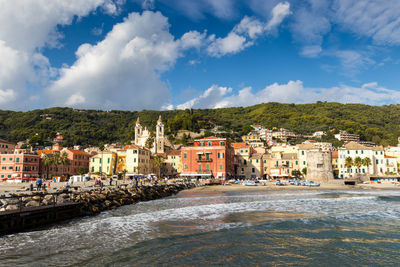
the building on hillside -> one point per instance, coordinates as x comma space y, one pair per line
103, 163
347, 137
6, 147
319, 166
318, 134
256, 143
173, 163
353, 150
367, 143
393, 151
249, 161
323, 146
251, 137
266, 135
209, 157
284, 148
138, 160
142, 135
19, 167
257, 127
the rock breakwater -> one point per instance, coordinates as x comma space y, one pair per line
23, 211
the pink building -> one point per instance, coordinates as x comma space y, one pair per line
209, 157
19, 166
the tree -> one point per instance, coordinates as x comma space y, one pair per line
296, 173
358, 163
348, 162
123, 172
149, 142
304, 171
81, 170
366, 162
64, 160
55, 160
158, 162
47, 162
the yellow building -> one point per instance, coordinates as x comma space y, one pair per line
121, 162
172, 164
104, 162
137, 160
251, 137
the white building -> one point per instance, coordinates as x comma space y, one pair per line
379, 165
141, 136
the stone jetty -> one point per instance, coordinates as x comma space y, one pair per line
23, 211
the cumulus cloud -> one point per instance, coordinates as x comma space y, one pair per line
122, 71
246, 32
25, 28
292, 92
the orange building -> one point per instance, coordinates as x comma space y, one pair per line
209, 157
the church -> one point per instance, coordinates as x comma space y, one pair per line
141, 136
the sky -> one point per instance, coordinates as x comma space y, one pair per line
174, 54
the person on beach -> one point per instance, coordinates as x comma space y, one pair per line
38, 183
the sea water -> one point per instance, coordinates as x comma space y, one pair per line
237, 228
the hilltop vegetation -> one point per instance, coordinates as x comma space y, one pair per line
380, 124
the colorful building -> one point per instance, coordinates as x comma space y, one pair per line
18, 167
209, 157
172, 163
137, 160
104, 162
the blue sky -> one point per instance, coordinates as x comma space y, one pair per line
168, 54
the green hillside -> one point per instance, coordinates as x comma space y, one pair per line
380, 124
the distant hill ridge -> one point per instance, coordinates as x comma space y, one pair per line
380, 124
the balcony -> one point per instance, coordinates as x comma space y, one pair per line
204, 160
204, 172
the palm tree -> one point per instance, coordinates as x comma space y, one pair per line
158, 162
358, 162
367, 162
348, 162
47, 162
64, 160
101, 147
55, 160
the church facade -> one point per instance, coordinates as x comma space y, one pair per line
143, 134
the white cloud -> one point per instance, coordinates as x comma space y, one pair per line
311, 51
231, 44
246, 32
26, 27
122, 71
192, 39
293, 92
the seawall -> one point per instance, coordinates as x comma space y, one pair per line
22, 212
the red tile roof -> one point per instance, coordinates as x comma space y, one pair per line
240, 145
80, 152
335, 154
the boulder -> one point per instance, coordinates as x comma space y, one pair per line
12, 207
32, 203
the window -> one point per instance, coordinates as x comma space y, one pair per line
207, 156
362, 151
92, 169
297, 163
199, 167
221, 143
320, 165
245, 151
356, 151
209, 143
302, 152
134, 160
134, 151
4, 159
220, 167
265, 169
277, 163
185, 156
207, 167
100, 160
256, 160
3, 168
241, 151
304, 163
253, 170
265, 161
381, 152
377, 161
199, 156
10, 167
108, 160
245, 162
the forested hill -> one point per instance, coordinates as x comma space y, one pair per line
380, 124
